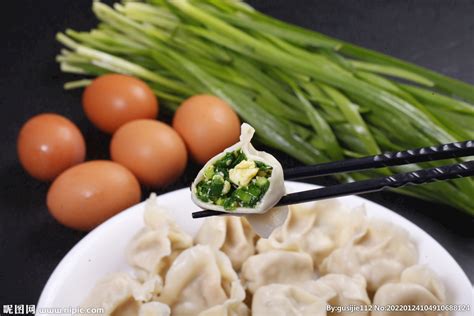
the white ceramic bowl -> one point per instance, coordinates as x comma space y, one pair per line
102, 251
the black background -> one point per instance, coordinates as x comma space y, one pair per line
438, 34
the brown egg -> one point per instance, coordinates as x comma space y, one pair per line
208, 125
86, 195
112, 100
48, 144
152, 150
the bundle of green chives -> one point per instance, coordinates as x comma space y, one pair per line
311, 96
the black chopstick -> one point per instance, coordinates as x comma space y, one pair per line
459, 170
446, 151
422, 176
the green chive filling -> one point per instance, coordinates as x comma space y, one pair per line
233, 181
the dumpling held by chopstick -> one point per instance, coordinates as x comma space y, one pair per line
243, 181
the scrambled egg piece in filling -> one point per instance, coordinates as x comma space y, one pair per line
234, 181
243, 173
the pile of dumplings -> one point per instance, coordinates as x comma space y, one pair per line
325, 254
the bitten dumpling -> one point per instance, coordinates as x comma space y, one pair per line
317, 228
380, 255
418, 286
202, 278
276, 266
286, 300
153, 249
244, 181
232, 235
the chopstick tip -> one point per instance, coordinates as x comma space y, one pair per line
206, 213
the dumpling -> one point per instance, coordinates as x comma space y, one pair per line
418, 286
380, 255
422, 275
286, 300
240, 166
276, 267
122, 295
201, 278
317, 228
233, 306
312, 297
112, 292
153, 249
230, 234
148, 289
242, 180
265, 223
154, 309
340, 290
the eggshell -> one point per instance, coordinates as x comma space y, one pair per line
86, 195
152, 150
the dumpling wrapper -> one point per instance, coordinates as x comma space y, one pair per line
230, 234
153, 248
263, 218
286, 300
317, 228
120, 294
201, 281
418, 285
380, 254
276, 266
340, 290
